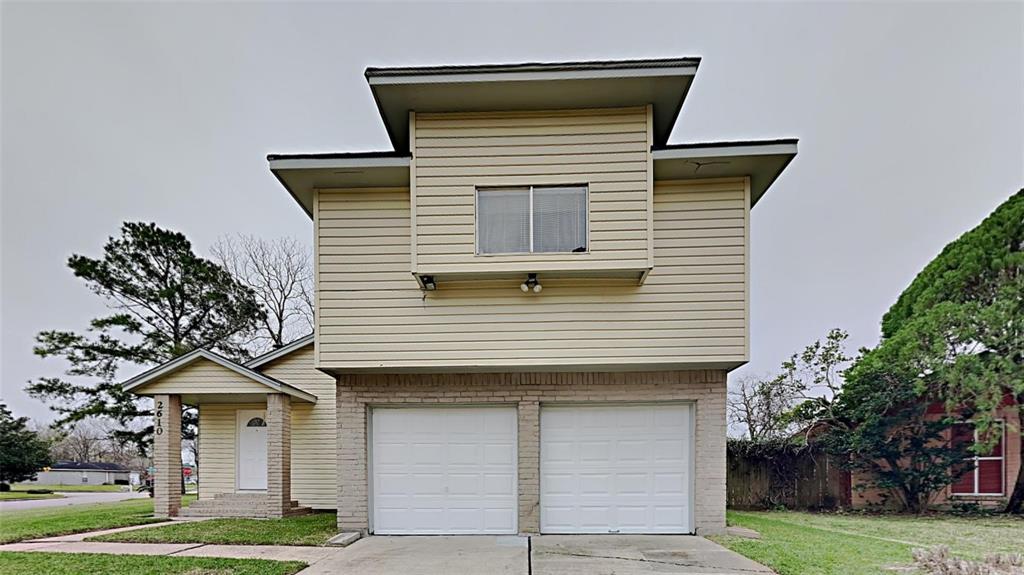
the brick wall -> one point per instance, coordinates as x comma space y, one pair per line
528, 391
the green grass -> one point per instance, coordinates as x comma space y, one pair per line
795, 543
34, 563
76, 487
314, 529
65, 520
21, 495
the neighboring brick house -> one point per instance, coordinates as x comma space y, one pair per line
525, 315
988, 484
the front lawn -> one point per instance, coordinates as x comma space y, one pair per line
22, 495
65, 520
76, 487
34, 563
314, 529
795, 543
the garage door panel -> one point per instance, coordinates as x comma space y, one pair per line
632, 451
628, 474
499, 485
499, 454
444, 470
558, 451
669, 484
669, 450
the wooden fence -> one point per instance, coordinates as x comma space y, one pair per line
805, 480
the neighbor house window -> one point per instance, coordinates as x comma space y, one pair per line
986, 477
531, 219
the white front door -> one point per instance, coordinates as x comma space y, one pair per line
616, 469
252, 450
444, 470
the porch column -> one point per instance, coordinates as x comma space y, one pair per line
167, 455
279, 454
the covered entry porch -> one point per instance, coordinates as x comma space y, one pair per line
244, 448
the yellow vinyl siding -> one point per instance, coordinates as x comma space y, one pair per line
455, 153
314, 433
203, 376
691, 310
218, 437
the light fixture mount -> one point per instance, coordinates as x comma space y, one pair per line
531, 283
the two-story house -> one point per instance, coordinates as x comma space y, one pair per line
525, 315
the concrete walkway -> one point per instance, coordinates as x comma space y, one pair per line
309, 555
70, 498
444, 555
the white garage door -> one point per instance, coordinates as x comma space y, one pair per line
444, 470
616, 469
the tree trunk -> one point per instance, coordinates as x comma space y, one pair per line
1016, 502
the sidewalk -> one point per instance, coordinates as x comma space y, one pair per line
76, 544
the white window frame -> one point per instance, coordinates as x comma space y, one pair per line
975, 472
476, 218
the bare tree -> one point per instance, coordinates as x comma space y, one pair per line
760, 405
93, 440
86, 441
281, 273
803, 392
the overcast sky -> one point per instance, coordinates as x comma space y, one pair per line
910, 119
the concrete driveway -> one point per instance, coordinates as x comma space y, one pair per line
538, 555
635, 554
70, 498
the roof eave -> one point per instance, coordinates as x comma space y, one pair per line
537, 71
200, 353
328, 161
279, 352
420, 76
771, 155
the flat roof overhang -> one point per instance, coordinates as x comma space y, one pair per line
533, 86
762, 160
301, 174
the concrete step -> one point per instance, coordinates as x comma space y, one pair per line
239, 505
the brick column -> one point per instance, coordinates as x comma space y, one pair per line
167, 455
353, 503
279, 454
529, 467
710, 469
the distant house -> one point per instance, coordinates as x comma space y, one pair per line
83, 473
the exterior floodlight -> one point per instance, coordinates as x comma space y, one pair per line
530, 283
428, 283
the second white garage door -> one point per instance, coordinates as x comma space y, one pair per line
616, 469
444, 470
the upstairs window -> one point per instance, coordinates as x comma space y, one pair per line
986, 477
531, 219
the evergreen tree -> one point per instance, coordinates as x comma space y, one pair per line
166, 301
22, 452
965, 313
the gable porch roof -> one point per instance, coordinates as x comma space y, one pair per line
239, 382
